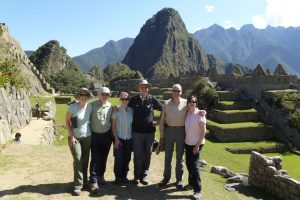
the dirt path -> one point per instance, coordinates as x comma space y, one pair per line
33, 171
32, 133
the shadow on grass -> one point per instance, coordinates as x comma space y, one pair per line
256, 193
132, 191
129, 191
45, 189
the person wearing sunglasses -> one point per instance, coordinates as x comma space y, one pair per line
195, 128
172, 132
122, 133
79, 137
143, 128
101, 138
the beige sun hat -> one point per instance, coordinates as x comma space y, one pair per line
104, 90
142, 82
83, 90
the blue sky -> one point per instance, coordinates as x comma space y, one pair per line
82, 25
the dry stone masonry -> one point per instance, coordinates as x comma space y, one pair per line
266, 173
15, 111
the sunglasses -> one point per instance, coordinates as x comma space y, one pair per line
83, 95
124, 99
178, 91
192, 102
105, 94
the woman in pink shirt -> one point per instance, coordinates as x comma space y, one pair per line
195, 128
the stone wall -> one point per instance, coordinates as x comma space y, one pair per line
266, 173
15, 111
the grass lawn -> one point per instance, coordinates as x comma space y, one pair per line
237, 111
236, 125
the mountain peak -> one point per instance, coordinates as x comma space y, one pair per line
164, 48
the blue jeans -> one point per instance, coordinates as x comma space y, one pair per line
192, 164
99, 151
122, 158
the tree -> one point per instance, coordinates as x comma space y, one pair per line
204, 94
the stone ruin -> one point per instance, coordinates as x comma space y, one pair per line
267, 174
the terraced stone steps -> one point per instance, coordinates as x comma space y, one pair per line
234, 105
228, 95
231, 116
241, 132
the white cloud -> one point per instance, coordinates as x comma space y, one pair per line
209, 8
279, 13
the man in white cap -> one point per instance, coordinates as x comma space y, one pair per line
100, 124
143, 128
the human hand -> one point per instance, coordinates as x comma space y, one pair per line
72, 141
161, 141
202, 112
155, 123
196, 150
115, 109
117, 143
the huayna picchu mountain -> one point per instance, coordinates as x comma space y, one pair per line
164, 48
51, 58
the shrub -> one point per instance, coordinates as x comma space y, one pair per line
10, 74
204, 94
294, 120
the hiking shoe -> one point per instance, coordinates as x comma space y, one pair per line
94, 188
76, 192
179, 185
163, 183
144, 181
125, 180
102, 181
135, 181
196, 196
188, 187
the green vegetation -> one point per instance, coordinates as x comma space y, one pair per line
120, 71
97, 72
236, 125
238, 111
68, 80
10, 74
294, 120
204, 94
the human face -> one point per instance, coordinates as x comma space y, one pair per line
143, 89
176, 92
124, 100
104, 96
83, 97
192, 104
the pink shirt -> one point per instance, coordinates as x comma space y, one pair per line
192, 127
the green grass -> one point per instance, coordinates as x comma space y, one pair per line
250, 145
236, 125
42, 100
238, 111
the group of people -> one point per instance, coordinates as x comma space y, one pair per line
93, 127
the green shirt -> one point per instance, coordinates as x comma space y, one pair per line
100, 121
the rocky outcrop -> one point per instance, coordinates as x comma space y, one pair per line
51, 58
164, 48
15, 111
266, 173
10, 49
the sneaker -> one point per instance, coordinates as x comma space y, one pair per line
188, 187
196, 196
135, 181
101, 180
125, 180
144, 181
163, 183
94, 188
76, 192
179, 185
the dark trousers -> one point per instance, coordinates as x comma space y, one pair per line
100, 147
122, 158
142, 150
192, 164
